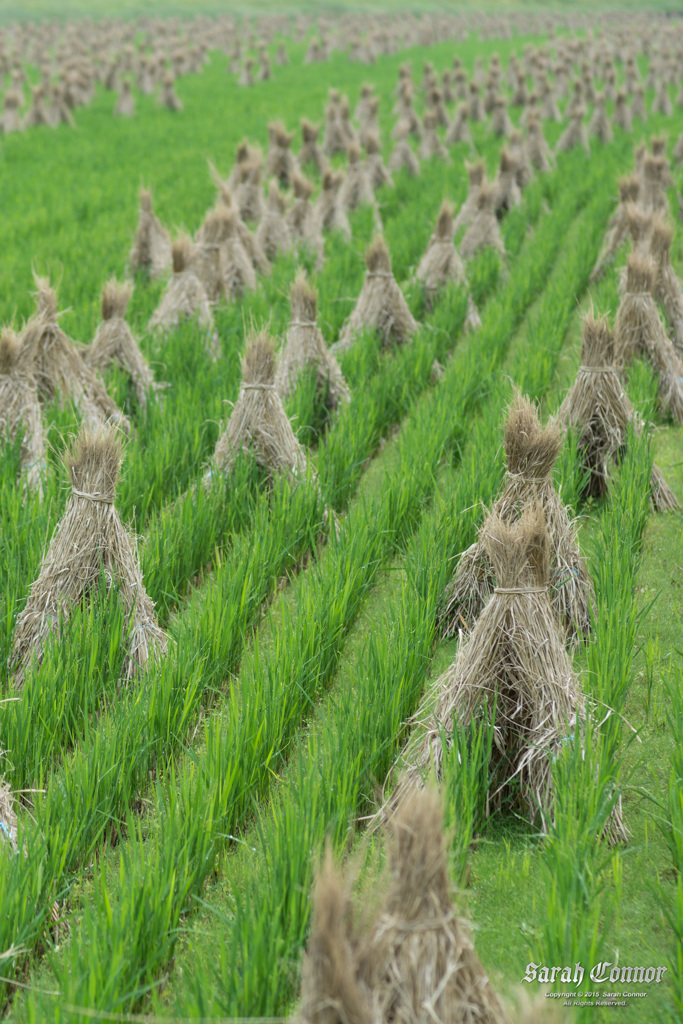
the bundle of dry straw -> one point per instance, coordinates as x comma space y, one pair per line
381, 306
151, 250
459, 130
310, 152
512, 670
273, 234
302, 220
258, 422
252, 247
356, 189
530, 451
281, 163
58, 365
415, 962
441, 263
20, 407
618, 227
476, 174
305, 346
638, 330
598, 412
667, 288
379, 175
402, 155
574, 135
114, 341
484, 230
329, 210
90, 542
185, 295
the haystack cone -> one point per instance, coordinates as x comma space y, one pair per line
331, 992
281, 163
20, 407
598, 412
378, 172
356, 189
258, 422
459, 129
667, 286
151, 252
441, 264
430, 143
507, 192
476, 174
537, 148
248, 190
302, 220
305, 346
617, 229
185, 295
574, 135
310, 152
656, 180
418, 953
638, 330
59, 367
381, 306
329, 210
252, 247
402, 155
114, 341
515, 661
207, 262
273, 234
531, 451
168, 97
484, 230
90, 544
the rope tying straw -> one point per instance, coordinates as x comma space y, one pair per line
378, 273
93, 497
520, 590
597, 369
257, 387
527, 479
302, 323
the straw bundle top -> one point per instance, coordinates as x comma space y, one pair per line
377, 259
258, 363
530, 449
597, 345
304, 301
181, 252
93, 463
115, 299
444, 223
420, 886
518, 551
640, 274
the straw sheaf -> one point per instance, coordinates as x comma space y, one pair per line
90, 540
279, 134
115, 298
309, 131
182, 253
19, 404
371, 141
10, 350
185, 295
514, 657
483, 230
444, 222
381, 305
530, 449
151, 251
377, 257
302, 187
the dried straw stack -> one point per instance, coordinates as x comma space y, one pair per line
381, 306
20, 407
185, 295
59, 367
431, 145
441, 263
531, 451
415, 961
598, 412
310, 152
281, 163
506, 188
89, 542
377, 171
273, 234
484, 230
258, 422
356, 189
329, 210
402, 155
114, 341
252, 247
638, 330
302, 221
618, 227
515, 661
476, 174
305, 346
667, 288
151, 252
574, 134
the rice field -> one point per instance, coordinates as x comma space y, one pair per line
171, 819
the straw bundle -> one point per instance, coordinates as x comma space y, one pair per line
441, 264
151, 250
356, 189
347, 129
248, 194
638, 109
37, 114
662, 101
677, 154
252, 247
638, 330
518, 150
185, 295
305, 346
329, 211
378, 173
484, 229
245, 153
273, 234
475, 104
458, 130
58, 365
599, 124
574, 134
667, 288
622, 114
258, 422
207, 262
381, 306
515, 659
531, 452
476, 174
617, 229
280, 161
11, 118
310, 152
656, 180
537, 148
335, 139
418, 960
501, 125
430, 144
168, 97
282, 57
366, 94
125, 105
302, 221
507, 193
436, 106
20, 407
549, 108
114, 341
402, 155
371, 121
8, 817
89, 541
598, 411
